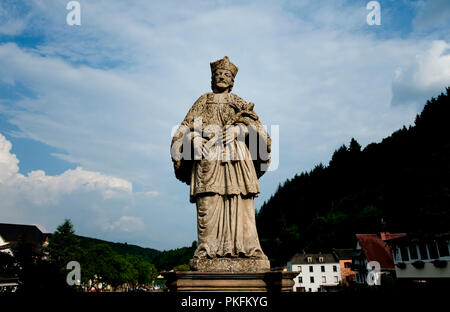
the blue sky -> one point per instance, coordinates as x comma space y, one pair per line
86, 112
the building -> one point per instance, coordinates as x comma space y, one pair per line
11, 234
373, 249
422, 259
344, 256
317, 272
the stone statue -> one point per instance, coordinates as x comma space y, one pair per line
220, 150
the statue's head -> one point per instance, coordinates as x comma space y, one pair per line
222, 75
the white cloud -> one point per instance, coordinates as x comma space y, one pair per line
95, 202
12, 27
8, 161
41, 189
149, 193
426, 76
432, 14
109, 92
9, 23
127, 224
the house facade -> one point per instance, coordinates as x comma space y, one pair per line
316, 272
373, 255
344, 256
420, 259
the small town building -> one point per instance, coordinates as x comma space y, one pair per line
316, 272
422, 259
373, 254
11, 234
344, 256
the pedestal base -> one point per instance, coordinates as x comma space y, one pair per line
235, 265
189, 281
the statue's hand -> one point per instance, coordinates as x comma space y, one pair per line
192, 135
205, 148
230, 134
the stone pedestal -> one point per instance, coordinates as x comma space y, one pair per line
235, 265
192, 281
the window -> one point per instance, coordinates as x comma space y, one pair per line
320, 259
322, 268
300, 279
423, 251
396, 250
413, 252
324, 279
404, 253
432, 248
309, 259
334, 268
311, 268
443, 248
311, 279
347, 265
336, 279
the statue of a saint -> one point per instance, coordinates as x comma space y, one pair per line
220, 150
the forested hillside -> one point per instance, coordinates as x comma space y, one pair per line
148, 254
163, 260
404, 179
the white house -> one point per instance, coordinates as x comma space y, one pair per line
422, 259
317, 272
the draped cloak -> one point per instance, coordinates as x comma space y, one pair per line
224, 184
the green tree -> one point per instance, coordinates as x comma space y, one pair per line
146, 271
34, 272
103, 264
64, 246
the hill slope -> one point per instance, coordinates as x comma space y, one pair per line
405, 179
163, 260
148, 254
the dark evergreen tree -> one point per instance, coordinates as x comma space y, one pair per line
405, 179
64, 245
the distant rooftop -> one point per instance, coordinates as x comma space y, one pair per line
302, 258
343, 254
416, 237
14, 232
376, 249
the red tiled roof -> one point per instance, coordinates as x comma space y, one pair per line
393, 236
375, 249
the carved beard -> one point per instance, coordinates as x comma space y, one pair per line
214, 86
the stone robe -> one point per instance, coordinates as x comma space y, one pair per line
224, 184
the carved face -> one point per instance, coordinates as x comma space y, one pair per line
222, 79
